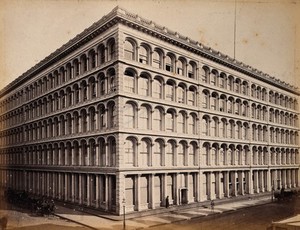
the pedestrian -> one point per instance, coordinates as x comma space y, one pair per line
212, 205
167, 202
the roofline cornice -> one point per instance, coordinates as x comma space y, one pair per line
119, 14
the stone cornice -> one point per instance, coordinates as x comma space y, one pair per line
136, 22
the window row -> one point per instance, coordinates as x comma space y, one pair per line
158, 58
93, 119
159, 119
240, 107
159, 88
159, 153
216, 154
240, 86
79, 92
89, 60
100, 152
224, 81
224, 128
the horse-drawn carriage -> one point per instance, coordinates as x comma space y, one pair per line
284, 194
38, 205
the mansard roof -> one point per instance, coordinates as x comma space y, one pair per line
120, 15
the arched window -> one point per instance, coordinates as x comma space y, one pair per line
112, 80
129, 116
92, 59
143, 55
192, 154
143, 85
83, 61
92, 116
129, 81
213, 77
205, 74
181, 152
102, 117
157, 120
181, 123
170, 151
83, 121
205, 126
205, 100
144, 156
144, 121
214, 102
180, 94
214, 127
101, 51
222, 132
170, 91
230, 82
76, 67
191, 96
169, 121
169, 63
129, 148
192, 70
111, 46
205, 153
192, 124
129, 50
180, 67
112, 151
112, 111
157, 153
157, 89
156, 59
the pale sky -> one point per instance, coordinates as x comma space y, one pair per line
267, 33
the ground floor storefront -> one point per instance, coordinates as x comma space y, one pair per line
136, 191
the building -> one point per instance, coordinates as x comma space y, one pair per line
129, 112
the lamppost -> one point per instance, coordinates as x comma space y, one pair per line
124, 213
272, 192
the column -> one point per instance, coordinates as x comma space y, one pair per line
255, 184
226, 184
88, 189
67, 189
97, 190
218, 185
297, 177
106, 192
289, 178
233, 181
197, 181
151, 192
268, 180
293, 178
250, 182
283, 175
241, 182
262, 176
59, 185
186, 176
73, 188
208, 184
138, 192
80, 189
200, 181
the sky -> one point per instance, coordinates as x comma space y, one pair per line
267, 31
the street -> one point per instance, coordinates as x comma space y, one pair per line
252, 218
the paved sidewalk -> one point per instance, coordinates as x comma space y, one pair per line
170, 215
